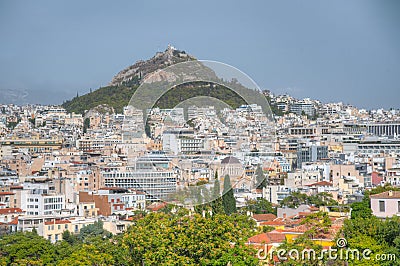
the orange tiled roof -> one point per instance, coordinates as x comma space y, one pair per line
321, 184
155, 206
298, 229
58, 222
387, 195
273, 223
267, 238
5, 193
264, 217
14, 222
10, 210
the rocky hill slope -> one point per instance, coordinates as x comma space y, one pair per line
141, 68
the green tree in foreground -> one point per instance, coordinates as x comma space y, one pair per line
93, 230
296, 199
26, 249
379, 236
259, 206
363, 209
228, 199
160, 239
216, 204
156, 239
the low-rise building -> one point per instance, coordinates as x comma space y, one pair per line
386, 204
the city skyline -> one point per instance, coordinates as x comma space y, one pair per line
199, 133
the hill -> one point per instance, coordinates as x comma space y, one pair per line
123, 85
118, 96
114, 96
140, 69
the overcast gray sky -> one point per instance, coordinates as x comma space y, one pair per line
329, 50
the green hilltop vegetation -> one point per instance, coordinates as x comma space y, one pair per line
114, 96
119, 96
125, 83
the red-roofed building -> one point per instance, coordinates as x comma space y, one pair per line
6, 198
321, 184
55, 221
265, 244
8, 214
114, 200
277, 223
385, 204
53, 229
156, 206
260, 218
273, 238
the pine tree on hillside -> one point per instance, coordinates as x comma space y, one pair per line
198, 200
260, 178
228, 200
216, 204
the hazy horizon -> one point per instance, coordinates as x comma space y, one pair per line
329, 51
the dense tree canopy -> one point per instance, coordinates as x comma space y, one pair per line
296, 199
259, 206
363, 209
165, 240
156, 239
380, 236
365, 231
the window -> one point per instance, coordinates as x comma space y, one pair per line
66, 226
382, 206
59, 227
398, 206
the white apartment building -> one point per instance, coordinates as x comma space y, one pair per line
156, 184
38, 200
